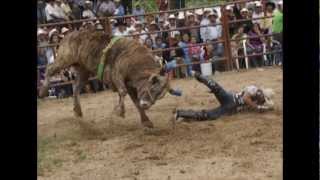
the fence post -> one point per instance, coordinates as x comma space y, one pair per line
226, 37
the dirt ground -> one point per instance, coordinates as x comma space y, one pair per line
245, 146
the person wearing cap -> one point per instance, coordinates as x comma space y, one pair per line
258, 13
152, 28
52, 12
181, 22
191, 21
139, 30
248, 22
250, 98
172, 25
88, 13
121, 29
138, 11
106, 8
129, 23
267, 22
64, 32
231, 17
213, 33
277, 25
119, 8
199, 13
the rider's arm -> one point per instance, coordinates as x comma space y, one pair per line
248, 101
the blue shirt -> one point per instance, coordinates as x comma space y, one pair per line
185, 48
119, 11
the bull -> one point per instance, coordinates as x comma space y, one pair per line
128, 68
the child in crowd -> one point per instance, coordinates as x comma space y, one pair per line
186, 59
194, 53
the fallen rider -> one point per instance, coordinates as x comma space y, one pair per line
250, 98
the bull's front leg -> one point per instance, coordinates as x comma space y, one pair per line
81, 78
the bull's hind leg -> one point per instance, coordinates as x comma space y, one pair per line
80, 80
118, 82
144, 118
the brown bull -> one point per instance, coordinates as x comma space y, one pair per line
129, 69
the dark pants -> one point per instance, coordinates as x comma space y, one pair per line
225, 98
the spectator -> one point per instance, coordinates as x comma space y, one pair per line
139, 29
42, 37
105, 8
129, 24
41, 57
159, 44
248, 23
194, 53
121, 29
277, 27
41, 14
60, 10
139, 11
258, 13
76, 12
191, 21
87, 13
267, 25
231, 17
153, 27
162, 5
67, 9
237, 45
64, 32
51, 51
119, 8
255, 45
164, 25
199, 14
148, 43
127, 4
186, 59
213, 33
173, 25
181, 22
149, 20
162, 17
52, 12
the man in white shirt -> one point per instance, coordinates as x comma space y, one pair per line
173, 25
212, 33
258, 13
139, 29
60, 11
88, 13
52, 15
129, 23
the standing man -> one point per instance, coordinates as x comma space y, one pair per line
251, 97
277, 26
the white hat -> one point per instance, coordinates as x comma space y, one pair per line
244, 10
229, 7
189, 14
181, 15
87, 2
117, 0
64, 29
280, 3
199, 12
213, 14
41, 31
153, 22
171, 16
258, 4
207, 10
137, 23
52, 32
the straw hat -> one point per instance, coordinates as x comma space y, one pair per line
189, 14
181, 15
53, 31
41, 32
64, 30
207, 10
244, 10
199, 12
229, 7
258, 4
171, 16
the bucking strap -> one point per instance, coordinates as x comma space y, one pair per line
102, 63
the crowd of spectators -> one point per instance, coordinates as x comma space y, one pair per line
63, 10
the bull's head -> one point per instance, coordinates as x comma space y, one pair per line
153, 89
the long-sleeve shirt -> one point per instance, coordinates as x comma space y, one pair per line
119, 11
210, 32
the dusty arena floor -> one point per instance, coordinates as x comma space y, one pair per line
246, 146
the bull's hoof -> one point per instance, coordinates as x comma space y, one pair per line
77, 112
147, 124
119, 112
